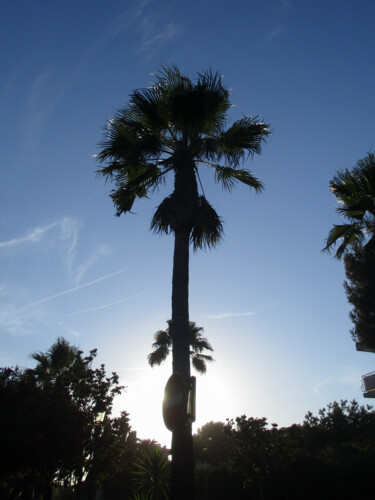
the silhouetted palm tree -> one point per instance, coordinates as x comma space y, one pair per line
152, 474
52, 364
178, 125
198, 343
355, 193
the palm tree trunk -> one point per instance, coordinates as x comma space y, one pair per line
180, 305
182, 441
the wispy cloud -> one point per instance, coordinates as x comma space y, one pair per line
153, 38
70, 331
91, 260
67, 232
276, 32
137, 369
98, 308
75, 289
69, 236
153, 27
61, 234
351, 380
44, 93
14, 322
8, 89
317, 387
17, 320
128, 18
150, 28
230, 315
19, 313
32, 236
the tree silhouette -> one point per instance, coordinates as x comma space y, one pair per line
47, 421
355, 193
199, 344
360, 292
151, 473
178, 125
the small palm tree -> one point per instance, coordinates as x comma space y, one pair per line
355, 193
152, 474
163, 345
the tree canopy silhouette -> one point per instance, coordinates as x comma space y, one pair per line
360, 292
355, 242
355, 193
47, 422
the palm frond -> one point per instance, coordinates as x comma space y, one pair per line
355, 192
162, 338
161, 346
149, 103
199, 108
199, 365
214, 100
207, 226
134, 182
167, 215
151, 473
349, 234
128, 140
352, 211
199, 362
40, 357
245, 135
158, 356
124, 198
170, 79
199, 344
229, 176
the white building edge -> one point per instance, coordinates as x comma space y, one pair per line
368, 380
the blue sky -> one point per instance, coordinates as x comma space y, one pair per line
271, 303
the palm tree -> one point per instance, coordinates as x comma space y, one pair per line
55, 362
152, 473
177, 126
355, 193
199, 344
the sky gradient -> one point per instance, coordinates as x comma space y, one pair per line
272, 305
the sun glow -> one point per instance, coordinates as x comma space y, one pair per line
144, 396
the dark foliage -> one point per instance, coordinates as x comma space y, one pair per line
355, 241
47, 423
212, 444
355, 193
330, 456
360, 291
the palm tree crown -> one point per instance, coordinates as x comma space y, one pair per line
53, 364
174, 126
355, 193
198, 343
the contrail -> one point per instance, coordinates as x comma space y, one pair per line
98, 307
230, 315
75, 289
